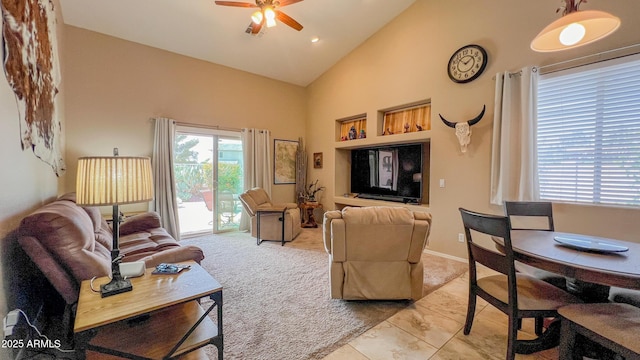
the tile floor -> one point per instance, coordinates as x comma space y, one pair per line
431, 328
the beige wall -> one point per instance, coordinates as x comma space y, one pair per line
116, 86
26, 181
406, 62
112, 87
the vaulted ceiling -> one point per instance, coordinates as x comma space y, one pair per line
206, 31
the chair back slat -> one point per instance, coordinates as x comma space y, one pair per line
529, 209
492, 225
488, 258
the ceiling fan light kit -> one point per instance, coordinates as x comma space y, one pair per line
575, 28
267, 15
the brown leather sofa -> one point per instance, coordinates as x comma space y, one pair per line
70, 243
376, 252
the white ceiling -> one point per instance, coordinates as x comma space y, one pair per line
203, 30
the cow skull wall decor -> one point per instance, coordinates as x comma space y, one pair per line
463, 129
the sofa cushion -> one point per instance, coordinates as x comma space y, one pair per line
253, 198
371, 229
155, 239
140, 222
101, 229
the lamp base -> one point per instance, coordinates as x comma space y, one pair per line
116, 286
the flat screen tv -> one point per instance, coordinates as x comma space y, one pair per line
391, 172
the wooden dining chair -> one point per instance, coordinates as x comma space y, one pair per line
613, 326
529, 209
523, 212
516, 294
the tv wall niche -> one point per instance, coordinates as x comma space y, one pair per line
391, 174
387, 130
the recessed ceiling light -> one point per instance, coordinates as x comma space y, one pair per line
315, 39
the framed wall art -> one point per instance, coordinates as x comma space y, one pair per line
284, 161
317, 160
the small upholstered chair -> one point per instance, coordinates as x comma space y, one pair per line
271, 224
375, 252
613, 326
517, 295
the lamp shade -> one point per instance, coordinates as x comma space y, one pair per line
113, 180
575, 29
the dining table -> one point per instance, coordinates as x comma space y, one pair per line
587, 258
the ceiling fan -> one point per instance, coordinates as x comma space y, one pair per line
267, 14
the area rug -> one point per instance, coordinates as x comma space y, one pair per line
276, 298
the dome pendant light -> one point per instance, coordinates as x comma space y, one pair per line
575, 28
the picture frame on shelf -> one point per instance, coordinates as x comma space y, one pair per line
284, 161
317, 160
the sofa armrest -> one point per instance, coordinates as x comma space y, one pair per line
59, 276
141, 222
271, 207
174, 255
327, 218
419, 239
288, 205
420, 235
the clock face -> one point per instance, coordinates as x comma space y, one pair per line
467, 63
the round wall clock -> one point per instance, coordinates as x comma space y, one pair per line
467, 63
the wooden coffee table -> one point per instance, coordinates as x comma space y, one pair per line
160, 319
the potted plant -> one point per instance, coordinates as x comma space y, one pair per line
311, 192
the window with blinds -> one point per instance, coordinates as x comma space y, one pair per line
588, 133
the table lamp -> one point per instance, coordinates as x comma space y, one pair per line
114, 180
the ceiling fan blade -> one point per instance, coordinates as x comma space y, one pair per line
255, 28
236, 4
288, 20
287, 2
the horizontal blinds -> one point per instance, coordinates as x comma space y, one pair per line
589, 133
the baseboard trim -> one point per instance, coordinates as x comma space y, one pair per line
451, 257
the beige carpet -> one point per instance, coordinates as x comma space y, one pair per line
276, 299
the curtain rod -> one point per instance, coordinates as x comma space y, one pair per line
622, 54
213, 127
622, 50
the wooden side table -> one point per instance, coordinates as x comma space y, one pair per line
310, 221
160, 319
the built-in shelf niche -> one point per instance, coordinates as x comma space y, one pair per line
351, 128
403, 119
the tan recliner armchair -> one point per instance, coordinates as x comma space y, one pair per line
270, 223
375, 252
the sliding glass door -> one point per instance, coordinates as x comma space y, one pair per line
208, 169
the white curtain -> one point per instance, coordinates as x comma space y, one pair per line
258, 168
514, 162
165, 202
